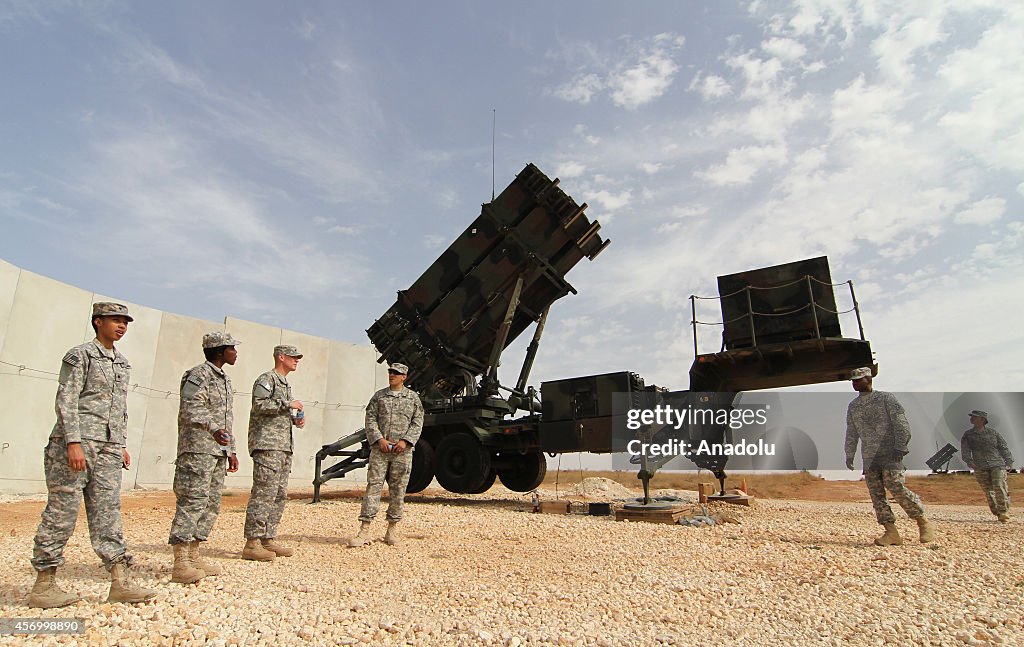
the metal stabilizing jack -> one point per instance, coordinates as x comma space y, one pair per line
353, 459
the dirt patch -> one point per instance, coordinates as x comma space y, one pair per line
953, 489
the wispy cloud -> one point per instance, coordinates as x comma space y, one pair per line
982, 212
643, 72
710, 86
742, 164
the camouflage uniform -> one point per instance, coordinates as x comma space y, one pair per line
393, 416
204, 409
877, 421
270, 445
92, 409
989, 456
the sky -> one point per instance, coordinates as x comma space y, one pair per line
296, 164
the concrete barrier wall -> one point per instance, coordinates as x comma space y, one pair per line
40, 319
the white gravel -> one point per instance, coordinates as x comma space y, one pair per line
482, 570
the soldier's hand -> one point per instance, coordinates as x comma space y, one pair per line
295, 404
382, 445
401, 446
233, 463
126, 458
849, 464
223, 437
76, 458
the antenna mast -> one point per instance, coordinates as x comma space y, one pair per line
494, 123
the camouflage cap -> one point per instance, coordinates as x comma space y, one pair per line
108, 309
979, 413
401, 369
219, 338
287, 350
858, 373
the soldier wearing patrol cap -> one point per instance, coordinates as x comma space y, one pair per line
206, 449
985, 452
876, 420
84, 458
273, 413
394, 422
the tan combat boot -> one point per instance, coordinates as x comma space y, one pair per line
208, 568
1003, 518
362, 537
185, 571
254, 550
927, 530
391, 536
891, 536
277, 548
122, 589
46, 594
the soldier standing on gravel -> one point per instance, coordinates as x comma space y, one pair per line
84, 458
985, 452
394, 422
271, 445
206, 449
876, 419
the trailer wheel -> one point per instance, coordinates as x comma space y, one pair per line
422, 468
489, 480
462, 463
526, 472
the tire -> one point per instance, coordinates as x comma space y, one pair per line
489, 480
461, 463
422, 468
526, 473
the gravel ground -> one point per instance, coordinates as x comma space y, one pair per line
484, 571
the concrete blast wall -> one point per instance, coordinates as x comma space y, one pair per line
40, 319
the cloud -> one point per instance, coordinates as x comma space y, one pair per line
613, 201
633, 73
760, 74
741, 165
644, 82
904, 40
191, 225
570, 169
581, 89
987, 116
710, 86
435, 241
859, 107
294, 136
306, 29
982, 212
785, 49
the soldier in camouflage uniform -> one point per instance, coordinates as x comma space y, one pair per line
84, 458
206, 449
271, 445
394, 422
877, 421
985, 452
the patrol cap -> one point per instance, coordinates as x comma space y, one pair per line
979, 413
401, 369
860, 372
219, 338
108, 309
287, 350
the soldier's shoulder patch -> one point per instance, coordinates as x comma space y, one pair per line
195, 377
72, 358
263, 387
